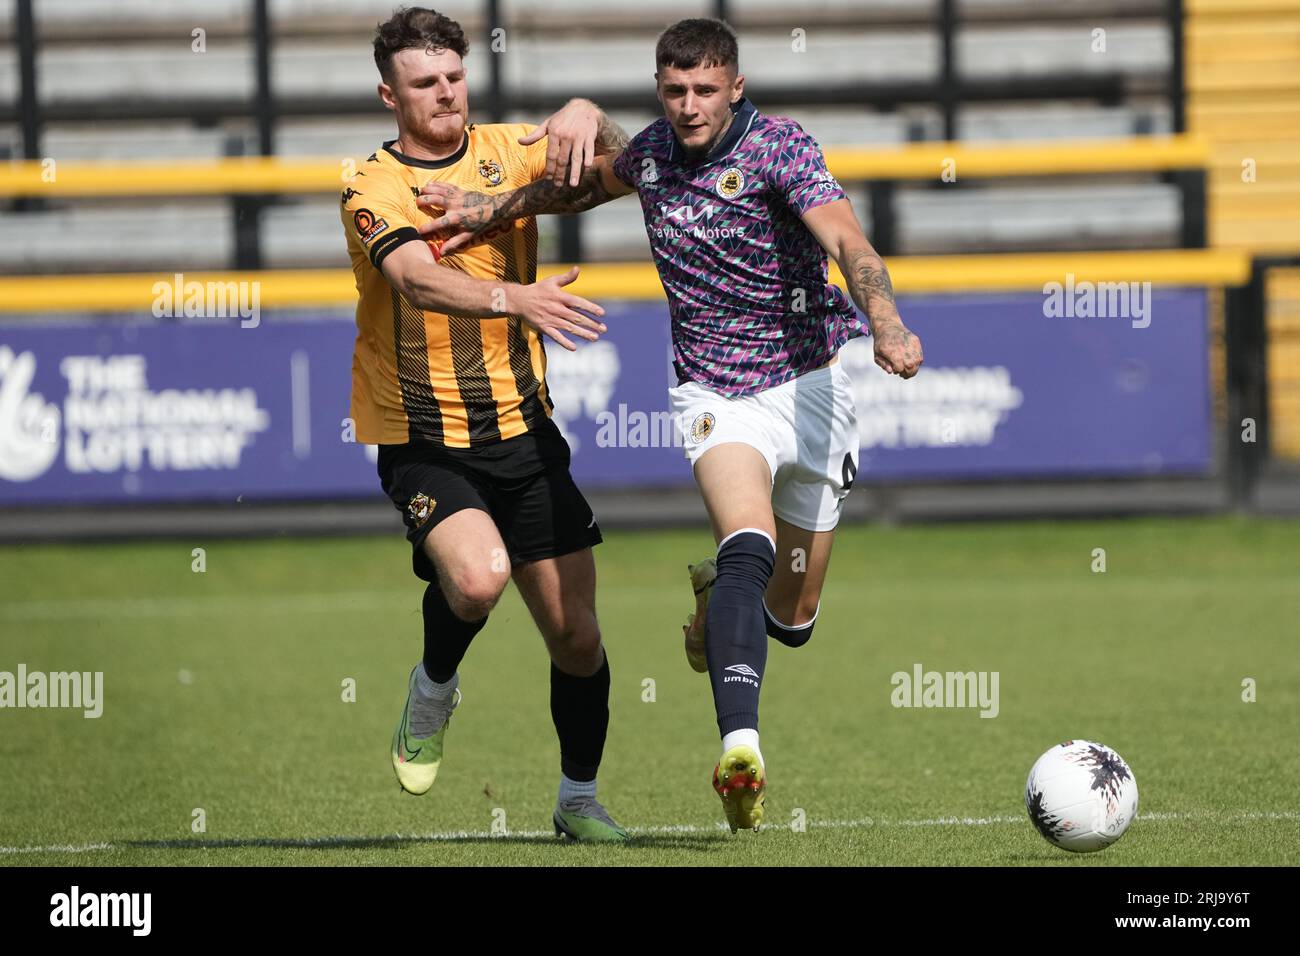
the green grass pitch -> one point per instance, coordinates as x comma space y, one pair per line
224, 693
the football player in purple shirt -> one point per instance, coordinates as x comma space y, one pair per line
741, 213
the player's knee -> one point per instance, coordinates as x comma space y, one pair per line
475, 593
746, 559
801, 619
577, 649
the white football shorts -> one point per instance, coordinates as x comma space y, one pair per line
806, 428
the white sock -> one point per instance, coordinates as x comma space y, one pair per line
431, 690
430, 704
745, 737
569, 789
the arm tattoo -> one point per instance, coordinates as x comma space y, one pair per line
543, 196
610, 138
869, 284
483, 212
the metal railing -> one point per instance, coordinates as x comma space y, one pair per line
255, 182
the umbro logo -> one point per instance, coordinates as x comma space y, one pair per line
741, 673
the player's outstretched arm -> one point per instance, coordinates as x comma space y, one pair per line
468, 216
837, 229
575, 136
412, 271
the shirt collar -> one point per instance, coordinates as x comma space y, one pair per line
451, 160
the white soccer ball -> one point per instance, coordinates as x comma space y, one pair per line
1081, 796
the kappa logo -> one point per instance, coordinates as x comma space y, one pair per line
702, 427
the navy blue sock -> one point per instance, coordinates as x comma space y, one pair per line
446, 637
735, 630
787, 635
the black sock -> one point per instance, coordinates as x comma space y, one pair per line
735, 630
446, 637
580, 709
787, 635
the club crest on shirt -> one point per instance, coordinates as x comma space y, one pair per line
702, 427
420, 509
367, 225
490, 170
730, 182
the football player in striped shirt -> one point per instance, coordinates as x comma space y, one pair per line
741, 213
449, 380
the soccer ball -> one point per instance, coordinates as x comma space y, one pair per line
1081, 796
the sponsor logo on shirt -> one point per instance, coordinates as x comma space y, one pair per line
694, 221
367, 225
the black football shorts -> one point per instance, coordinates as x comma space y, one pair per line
523, 483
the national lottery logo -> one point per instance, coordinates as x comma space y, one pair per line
29, 425
111, 420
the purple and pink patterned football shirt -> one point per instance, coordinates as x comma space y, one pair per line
747, 283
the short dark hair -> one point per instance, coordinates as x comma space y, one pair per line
697, 42
416, 28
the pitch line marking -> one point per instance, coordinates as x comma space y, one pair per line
680, 828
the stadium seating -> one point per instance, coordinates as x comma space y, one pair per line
320, 50
1243, 84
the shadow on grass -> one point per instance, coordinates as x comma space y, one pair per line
650, 841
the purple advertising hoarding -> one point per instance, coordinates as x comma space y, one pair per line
165, 411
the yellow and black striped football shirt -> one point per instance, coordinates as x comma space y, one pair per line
454, 380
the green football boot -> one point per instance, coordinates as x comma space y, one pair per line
740, 780
585, 820
702, 577
416, 760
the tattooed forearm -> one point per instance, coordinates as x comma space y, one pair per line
869, 284
610, 137
475, 215
543, 197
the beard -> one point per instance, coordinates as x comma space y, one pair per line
438, 134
